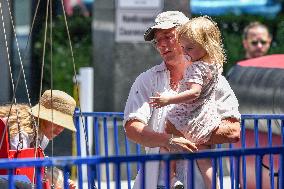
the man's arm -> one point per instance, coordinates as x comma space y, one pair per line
142, 134
228, 132
227, 105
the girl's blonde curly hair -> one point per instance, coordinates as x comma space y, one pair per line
24, 118
205, 31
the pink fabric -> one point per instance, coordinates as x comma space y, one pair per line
196, 120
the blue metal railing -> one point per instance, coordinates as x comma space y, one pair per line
112, 121
108, 139
122, 158
66, 162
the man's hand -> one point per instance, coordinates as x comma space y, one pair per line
229, 131
159, 101
180, 144
72, 184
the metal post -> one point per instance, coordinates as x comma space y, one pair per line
86, 93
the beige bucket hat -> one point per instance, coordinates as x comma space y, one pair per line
165, 20
63, 106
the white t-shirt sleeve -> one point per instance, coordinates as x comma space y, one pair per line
14, 141
227, 102
137, 106
44, 142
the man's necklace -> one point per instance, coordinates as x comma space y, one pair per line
174, 85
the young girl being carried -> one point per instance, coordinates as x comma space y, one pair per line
194, 115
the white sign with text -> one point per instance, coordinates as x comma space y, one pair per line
132, 24
139, 4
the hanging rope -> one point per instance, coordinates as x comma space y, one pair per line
75, 77
51, 87
12, 82
36, 138
20, 144
18, 51
14, 86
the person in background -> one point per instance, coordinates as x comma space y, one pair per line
256, 40
52, 114
144, 124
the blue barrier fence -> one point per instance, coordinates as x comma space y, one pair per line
67, 162
112, 158
107, 129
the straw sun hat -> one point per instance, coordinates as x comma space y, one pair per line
61, 105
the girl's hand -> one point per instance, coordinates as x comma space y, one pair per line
159, 101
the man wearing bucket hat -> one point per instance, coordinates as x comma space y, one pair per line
145, 125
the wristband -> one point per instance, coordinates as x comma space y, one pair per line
171, 140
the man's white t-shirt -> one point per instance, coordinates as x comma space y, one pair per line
155, 80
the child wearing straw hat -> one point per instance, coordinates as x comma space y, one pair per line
53, 113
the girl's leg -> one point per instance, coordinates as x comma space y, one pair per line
170, 129
206, 169
163, 168
175, 183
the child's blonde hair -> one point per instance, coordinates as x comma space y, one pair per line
23, 118
205, 31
